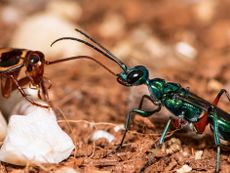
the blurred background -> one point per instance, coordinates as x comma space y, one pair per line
185, 41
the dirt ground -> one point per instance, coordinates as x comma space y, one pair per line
91, 99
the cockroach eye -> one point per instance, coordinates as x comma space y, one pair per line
34, 59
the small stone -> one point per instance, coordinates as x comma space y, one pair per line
198, 155
171, 146
185, 168
185, 154
186, 50
119, 127
102, 134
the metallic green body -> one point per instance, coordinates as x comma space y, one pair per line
164, 92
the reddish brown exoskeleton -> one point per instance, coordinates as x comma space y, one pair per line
12, 62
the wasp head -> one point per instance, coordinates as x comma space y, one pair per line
134, 76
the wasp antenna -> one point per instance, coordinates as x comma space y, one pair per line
121, 64
98, 44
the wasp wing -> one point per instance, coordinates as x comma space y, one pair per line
203, 104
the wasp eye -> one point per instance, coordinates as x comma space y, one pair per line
134, 76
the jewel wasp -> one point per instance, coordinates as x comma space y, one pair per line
182, 103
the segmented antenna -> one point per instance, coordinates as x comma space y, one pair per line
104, 51
100, 45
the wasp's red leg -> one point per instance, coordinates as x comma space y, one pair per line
177, 123
202, 123
24, 94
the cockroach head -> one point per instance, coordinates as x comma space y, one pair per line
34, 64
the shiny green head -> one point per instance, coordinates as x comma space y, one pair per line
134, 76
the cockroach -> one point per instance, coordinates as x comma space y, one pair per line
13, 60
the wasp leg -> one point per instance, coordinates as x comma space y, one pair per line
24, 94
200, 126
176, 123
139, 111
165, 131
151, 159
142, 101
217, 141
203, 122
221, 92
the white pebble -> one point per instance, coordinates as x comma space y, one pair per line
185, 168
102, 134
198, 155
119, 127
185, 154
35, 137
186, 50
